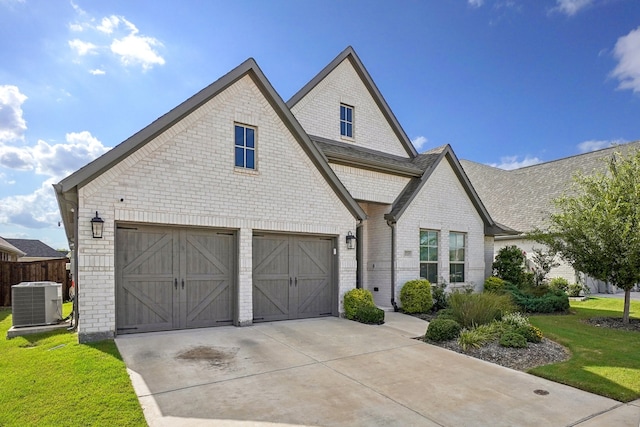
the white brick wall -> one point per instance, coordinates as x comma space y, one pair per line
319, 112
369, 185
441, 205
377, 253
186, 177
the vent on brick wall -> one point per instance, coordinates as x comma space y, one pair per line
36, 303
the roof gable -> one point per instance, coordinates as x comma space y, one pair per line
9, 248
429, 161
348, 56
68, 186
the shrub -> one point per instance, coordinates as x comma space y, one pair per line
494, 284
355, 299
477, 309
551, 302
574, 289
445, 313
509, 264
415, 296
477, 337
513, 339
515, 319
559, 283
530, 333
439, 296
442, 330
369, 314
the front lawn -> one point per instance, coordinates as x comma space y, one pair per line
604, 361
50, 379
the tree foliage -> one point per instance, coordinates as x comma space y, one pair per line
509, 264
597, 227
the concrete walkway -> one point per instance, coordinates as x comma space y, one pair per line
335, 372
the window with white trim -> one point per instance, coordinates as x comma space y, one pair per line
457, 245
245, 147
346, 120
429, 255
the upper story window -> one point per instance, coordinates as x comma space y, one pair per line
245, 146
346, 121
457, 244
429, 255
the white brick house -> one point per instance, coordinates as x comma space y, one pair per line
234, 208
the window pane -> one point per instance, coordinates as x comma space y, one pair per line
433, 238
424, 254
349, 114
433, 254
432, 273
239, 157
343, 128
343, 114
424, 237
250, 141
423, 271
349, 129
251, 159
456, 273
239, 136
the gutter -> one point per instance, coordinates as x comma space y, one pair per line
392, 224
74, 247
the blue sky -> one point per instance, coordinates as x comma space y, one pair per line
506, 82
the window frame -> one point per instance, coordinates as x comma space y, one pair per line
248, 152
455, 261
430, 263
347, 126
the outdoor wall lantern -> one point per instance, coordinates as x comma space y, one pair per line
97, 225
351, 241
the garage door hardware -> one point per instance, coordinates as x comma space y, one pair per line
291, 281
175, 283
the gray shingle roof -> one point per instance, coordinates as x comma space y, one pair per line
8, 247
35, 248
523, 198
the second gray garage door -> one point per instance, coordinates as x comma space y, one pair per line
293, 277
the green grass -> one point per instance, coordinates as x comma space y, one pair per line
50, 379
604, 361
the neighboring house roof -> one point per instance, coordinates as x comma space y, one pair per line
523, 198
35, 248
428, 162
9, 248
350, 54
66, 190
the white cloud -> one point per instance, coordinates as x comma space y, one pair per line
476, 3
594, 145
36, 210
12, 124
512, 162
627, 52
54, 160
82, 48
571, 7
119, 36
419, 142
97, 72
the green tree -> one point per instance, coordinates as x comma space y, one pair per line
544, 262
596, 228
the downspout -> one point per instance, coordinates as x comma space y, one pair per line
76, 216
392, 224
359, 258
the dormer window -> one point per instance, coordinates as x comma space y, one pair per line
346, 121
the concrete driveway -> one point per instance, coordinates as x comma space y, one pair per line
335, 372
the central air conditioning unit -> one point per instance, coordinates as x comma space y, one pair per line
36, 303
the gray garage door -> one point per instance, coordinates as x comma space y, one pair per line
173, 278
292, 277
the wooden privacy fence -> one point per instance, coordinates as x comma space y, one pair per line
12, 273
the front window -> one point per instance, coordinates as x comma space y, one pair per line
429, 255
456, 257
245, 146
346, 121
